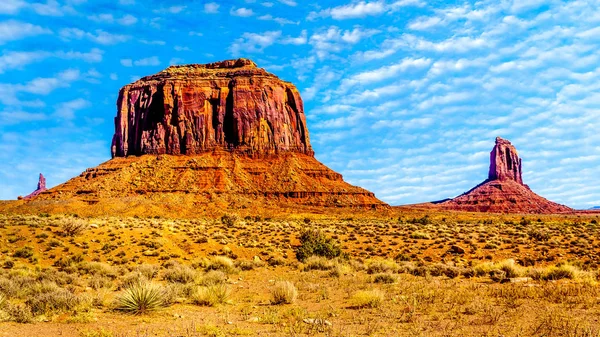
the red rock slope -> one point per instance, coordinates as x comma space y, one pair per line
503, 191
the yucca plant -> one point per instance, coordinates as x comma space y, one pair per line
140, 298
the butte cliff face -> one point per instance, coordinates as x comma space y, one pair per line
504, 190
225, 135
231, 105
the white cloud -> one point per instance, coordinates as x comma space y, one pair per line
127, 62
281, 21
362, 9
299, 40
242, 12
253, 42
389, 71
153, 42
67, 110
12, 30
287, 2
125, 20
145, 62
11, 6
211, 8
99, 36
334, 39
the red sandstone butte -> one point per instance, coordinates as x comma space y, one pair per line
41, 187
504, 190
219, 135
192, 109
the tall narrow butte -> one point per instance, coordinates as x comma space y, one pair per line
504, 190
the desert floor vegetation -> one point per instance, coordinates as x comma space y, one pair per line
299, 277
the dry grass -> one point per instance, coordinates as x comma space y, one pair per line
392, 284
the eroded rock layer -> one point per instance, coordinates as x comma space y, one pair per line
231, 105
504, 190
221, 178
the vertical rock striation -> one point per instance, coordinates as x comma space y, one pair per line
230, 105
505, 163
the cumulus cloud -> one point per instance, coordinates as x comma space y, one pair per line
361, 9
243, 12
98, 36
254, 42
211, 8
12, 30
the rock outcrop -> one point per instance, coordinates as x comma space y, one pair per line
221, 135
231, 105
41, 187
505, 163
504, 190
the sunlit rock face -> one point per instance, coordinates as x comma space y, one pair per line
192, 109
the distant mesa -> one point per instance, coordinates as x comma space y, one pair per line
504, 190
210, 136
41, 187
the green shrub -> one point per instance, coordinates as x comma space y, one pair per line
25, 252
314, 242
284, 292
141, 298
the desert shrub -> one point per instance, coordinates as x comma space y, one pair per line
24, 252
19, 313
229, 220
222, 263
314, 242
384, 278
283, 292
140, 298
561, 271
57, 300
132, 279
318, 263
213, 277
72, 227
381, 266
97, 268
248, 265
2, 300
98, 282
149, 271
419, 236
367, 298
211, 295
180, 274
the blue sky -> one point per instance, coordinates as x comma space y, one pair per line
403, 97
